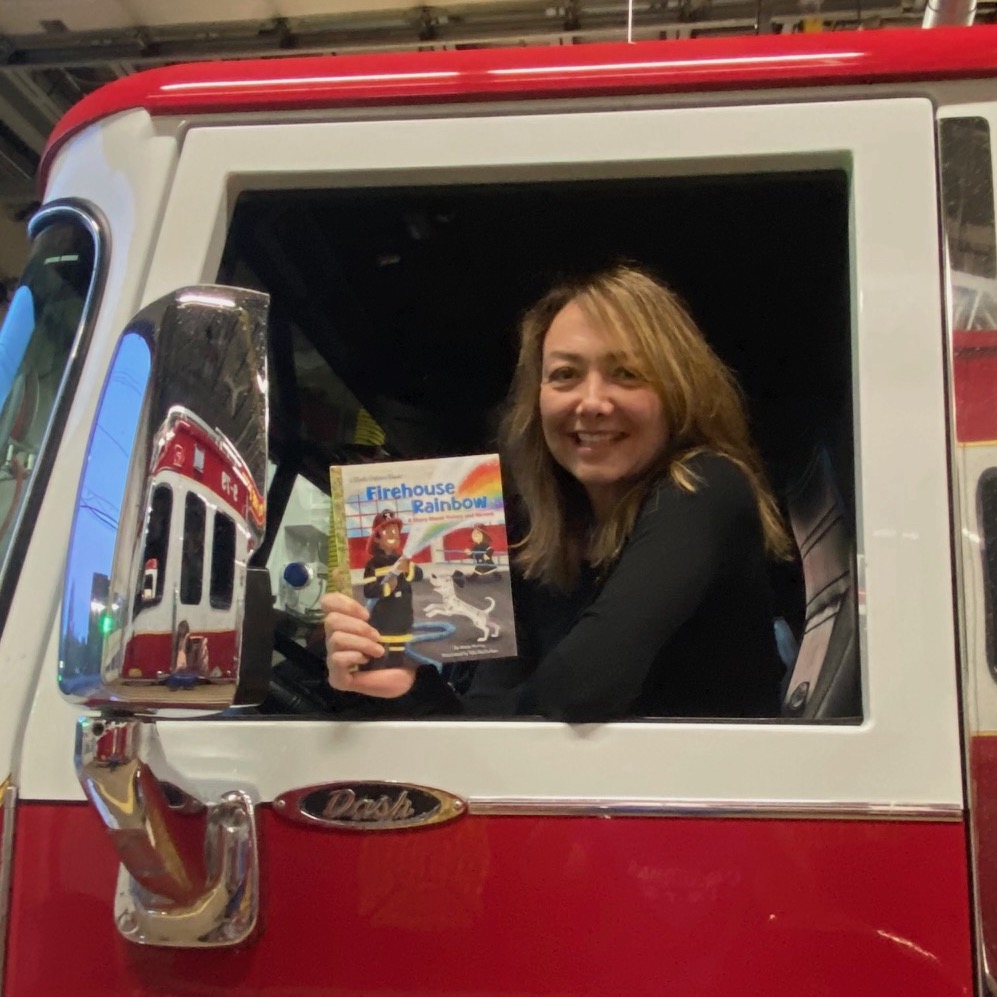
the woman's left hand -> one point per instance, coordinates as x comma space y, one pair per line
351, 642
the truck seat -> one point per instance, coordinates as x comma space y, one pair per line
825, 681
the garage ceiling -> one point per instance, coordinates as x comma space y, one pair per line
52, 52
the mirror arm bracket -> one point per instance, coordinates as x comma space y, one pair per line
189, 873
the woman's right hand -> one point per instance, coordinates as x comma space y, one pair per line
350, 641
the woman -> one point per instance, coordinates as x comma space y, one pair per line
642, 585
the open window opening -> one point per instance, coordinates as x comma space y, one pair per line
393, 325
222, 561
192, 559
157, 543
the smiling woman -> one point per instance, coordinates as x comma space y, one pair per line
602, 421
628, 391
642, 587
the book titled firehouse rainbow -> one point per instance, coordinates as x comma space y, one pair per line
422, 544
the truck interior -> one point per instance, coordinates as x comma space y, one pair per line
393, 335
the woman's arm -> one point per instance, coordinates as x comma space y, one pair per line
677, 549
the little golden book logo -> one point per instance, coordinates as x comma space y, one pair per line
369, 806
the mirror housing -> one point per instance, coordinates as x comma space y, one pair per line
158, 593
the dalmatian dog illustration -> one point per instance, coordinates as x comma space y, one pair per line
451, 604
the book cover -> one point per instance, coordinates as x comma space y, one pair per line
422, 544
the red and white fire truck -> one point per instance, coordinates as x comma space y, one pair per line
316, 260
201, 494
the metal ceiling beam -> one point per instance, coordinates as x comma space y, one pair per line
536, 23
27, 109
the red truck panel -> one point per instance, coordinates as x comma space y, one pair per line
524, 905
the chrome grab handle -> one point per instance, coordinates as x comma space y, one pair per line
189, 875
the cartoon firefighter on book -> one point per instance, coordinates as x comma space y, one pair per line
482, 554
388, 578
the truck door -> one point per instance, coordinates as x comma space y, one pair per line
967, 187
823, 851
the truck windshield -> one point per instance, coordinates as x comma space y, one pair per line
37, 341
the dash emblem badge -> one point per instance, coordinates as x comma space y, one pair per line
369, 806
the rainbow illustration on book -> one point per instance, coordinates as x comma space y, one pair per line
483, 482
433, 498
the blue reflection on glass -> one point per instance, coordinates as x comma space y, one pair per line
18, 325
88, 612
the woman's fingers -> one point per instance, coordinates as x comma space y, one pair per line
384, 683
350, 643
346, 627
350, 661
336, 602
339, 626
340, 636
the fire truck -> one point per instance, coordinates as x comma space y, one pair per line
287, 263
201, 494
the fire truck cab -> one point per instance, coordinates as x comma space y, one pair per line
245, 272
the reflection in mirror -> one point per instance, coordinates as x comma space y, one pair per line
170, 508
90, 614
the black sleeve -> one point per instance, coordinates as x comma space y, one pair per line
429, 696
676, 550
493, 692
495, 686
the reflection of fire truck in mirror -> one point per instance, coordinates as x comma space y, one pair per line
201, 501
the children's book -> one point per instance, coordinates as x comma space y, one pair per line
422, 544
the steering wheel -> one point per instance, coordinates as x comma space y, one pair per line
298, 684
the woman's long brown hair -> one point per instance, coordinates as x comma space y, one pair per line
703, 412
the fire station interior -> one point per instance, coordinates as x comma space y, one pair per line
393, 335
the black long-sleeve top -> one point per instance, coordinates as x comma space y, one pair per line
681, 627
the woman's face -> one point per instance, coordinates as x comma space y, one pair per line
603, 423
476, 536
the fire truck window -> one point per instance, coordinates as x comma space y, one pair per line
192, 562
157, 541
968, 215
41, 323
299, 555
968, 196
987, 503
393, 335
222, 562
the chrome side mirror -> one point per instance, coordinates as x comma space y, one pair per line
170, 507
161, 610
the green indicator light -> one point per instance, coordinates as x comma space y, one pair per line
106, 623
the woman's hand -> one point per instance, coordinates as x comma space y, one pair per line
350, 641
